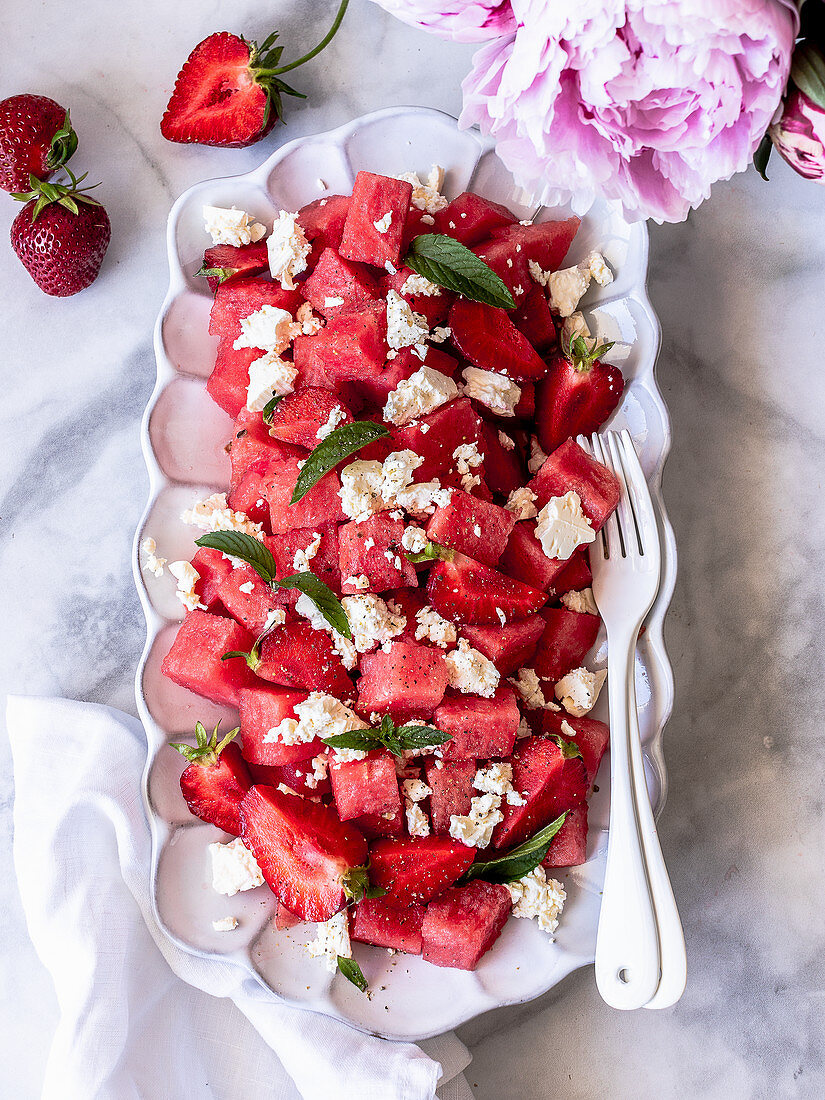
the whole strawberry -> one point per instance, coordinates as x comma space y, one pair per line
61, 235
36, 138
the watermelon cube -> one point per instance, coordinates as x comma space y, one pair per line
320, 505
568, 847
194, 660
211, 567
234, 262
480, 728
415, 869
475, 527
238, 298
228, 382
385, 924
576, 574
525, 560
377, 216
301, 416
296, 655
351, 346
248, 497
337, 285
470, 219
509, 647
300, 777
512, 247
537, 769
589, 734
368, 786
322, 220
464, 923
567, 638
466, 591
251, 445
263, 708
249, 599
451, 783
433, 307
406, 681
371, 548
503, 469
435, 438
374, 826
287, 549
487, 337
571, 469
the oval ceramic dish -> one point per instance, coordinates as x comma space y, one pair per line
183, 442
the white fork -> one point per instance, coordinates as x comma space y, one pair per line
640, 947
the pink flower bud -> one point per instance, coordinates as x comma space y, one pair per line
799, 137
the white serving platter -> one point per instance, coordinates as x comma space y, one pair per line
183, 435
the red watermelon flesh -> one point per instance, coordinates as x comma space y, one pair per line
296, 655
537, 769
475, 527
480, 728
300, 416
590, 735
466, 591
374, 826
470, 219
407, 681
323, 220
248, 497
576, 574
567, 638
249, 599
368, 786
320, 505
415, 869
372, 548
370, 235
324, 564
435, 437
451, 783
463, 924
385, 924
337, 285
263, 708
488, 338
252, 445
300, 777
568, 847
571, 469
240, 297
228, 382
235, 262
509, 647
524, 559
503, 469
434, 307
211, 567
351, 346
194, 660
512, 247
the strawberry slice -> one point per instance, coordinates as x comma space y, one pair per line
578, 395
216, 780
465, 590
223, 262
487, 337
301, 416
415, 869
312, 862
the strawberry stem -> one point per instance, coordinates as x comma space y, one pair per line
325, 41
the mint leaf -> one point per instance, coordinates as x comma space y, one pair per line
337, 446
433, 551
450, 264
808, 72
322, 596
387, 736
240, 545
366, 740
520, 861
569, 749
352, 972
270, 407
421, 737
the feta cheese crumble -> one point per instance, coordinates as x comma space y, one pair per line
537, 456
497, 779
414, 539
404, 328
225, 924
214, 514
578, 690
332, 422
302, 558
506, 442
383, 224
319, 715
562, 526
421, 393
475, 829
234, 868
498, 392
320, 768
528, 685
309, 322
582, 601
231, 226
369, 486
269, 376
415, 791
427, 195
468, 458
433, 628
247, 588
535, 895
470, 672
332, 941
419, 284
573, 326
287, 248
268, 328
372, 621
333, 303
187, 577
567, 287
152, 563
521, 502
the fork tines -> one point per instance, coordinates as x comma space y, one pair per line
625, 532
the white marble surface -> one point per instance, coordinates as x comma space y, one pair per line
739, 289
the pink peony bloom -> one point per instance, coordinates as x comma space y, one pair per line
647, 102
799, 137
459, 20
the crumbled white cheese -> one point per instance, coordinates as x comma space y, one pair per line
421, 393
404, 328
307, 608
187, 577
309, 322
361, 582
494, 779
288, 249
332, 941
269, 376
537, 456
471, 672
234, 868
268, 328
475, 829
418, 824
528, 685
225, 924
506, 442
440, 333
562, 526
498, 392
535, 895
578, 690
423, 497
427, 195
502, 617
432, 628
414, 539
419, 284
214, 514
333, 303
369, 486
248, 588
320, 768
276, 617
152, 563
567, 287
468, 458
231, 226
383, 224
582, 601
319, 715
521, 502
573, 326
523, 728
332, 422
371, 621
302, 558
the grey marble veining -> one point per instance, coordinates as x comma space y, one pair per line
739, 289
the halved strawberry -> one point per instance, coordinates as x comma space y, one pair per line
296, 655
464, 590
216, 780
487, 337
223, 262
301, 416
578, 395
416, 869
306, 855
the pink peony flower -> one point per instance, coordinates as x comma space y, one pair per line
799, 137
647, 102
459, 20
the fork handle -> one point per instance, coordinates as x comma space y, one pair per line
627, 943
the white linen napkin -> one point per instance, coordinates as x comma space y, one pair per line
130, 1029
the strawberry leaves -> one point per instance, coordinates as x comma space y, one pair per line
357, 886
433, 551
396, 740
67, 195
450, 264
63, 145
206, 750
338, 445
518, 862
581, 356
